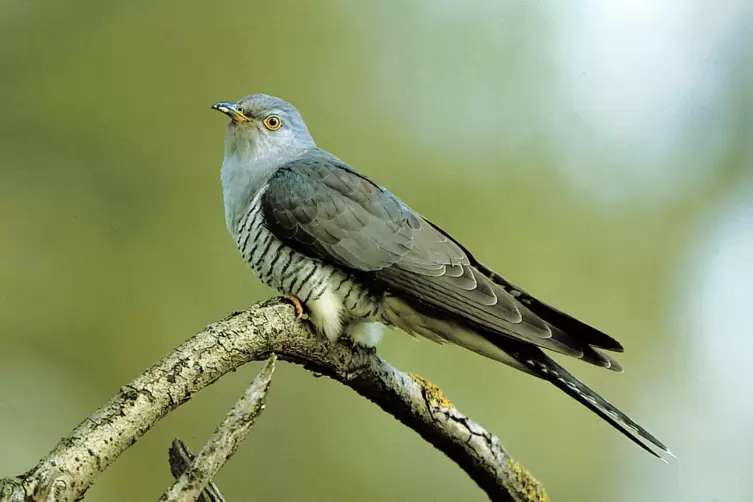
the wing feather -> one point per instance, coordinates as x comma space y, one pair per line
324, 209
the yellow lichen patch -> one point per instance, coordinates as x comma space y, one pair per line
531, 488
431, 392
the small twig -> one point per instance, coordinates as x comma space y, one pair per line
180, 458
225, 440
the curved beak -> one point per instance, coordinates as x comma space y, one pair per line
231, 110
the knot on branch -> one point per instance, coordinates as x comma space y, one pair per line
56, 486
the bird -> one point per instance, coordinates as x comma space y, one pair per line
360, 261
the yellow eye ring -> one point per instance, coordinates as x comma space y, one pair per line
272, 122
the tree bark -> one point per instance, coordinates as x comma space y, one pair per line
224, 442
180, 459
255, 334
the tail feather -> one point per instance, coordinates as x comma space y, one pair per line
549, 370
524, 357
577, 329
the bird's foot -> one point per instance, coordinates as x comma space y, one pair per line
299, 312
354, 344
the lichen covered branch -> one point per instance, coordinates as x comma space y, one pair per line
254, 334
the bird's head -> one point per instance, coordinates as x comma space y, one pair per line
263, 126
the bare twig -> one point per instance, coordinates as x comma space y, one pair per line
225, 440
269, 327
180, 459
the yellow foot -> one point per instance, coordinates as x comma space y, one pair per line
298, 306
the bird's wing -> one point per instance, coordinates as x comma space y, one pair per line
324, 209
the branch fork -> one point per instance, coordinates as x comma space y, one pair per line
255, 334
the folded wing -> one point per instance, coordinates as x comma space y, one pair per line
324, 209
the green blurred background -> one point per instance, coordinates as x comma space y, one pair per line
603, 151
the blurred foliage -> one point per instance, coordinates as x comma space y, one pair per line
114, 249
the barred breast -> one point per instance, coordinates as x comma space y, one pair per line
334, 298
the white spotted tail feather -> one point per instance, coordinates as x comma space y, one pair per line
546, 368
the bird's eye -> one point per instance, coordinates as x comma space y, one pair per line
272, 122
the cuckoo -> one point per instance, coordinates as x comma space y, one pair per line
359, 260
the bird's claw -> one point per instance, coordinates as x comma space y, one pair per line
299, 312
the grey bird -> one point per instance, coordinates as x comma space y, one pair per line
360, 260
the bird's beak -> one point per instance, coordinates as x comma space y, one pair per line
231, 110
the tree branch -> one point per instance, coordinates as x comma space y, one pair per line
225, 441
180, 459
254, 334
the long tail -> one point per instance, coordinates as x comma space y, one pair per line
522, 356
546, 368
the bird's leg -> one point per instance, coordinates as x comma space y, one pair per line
365, 334
298, 306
